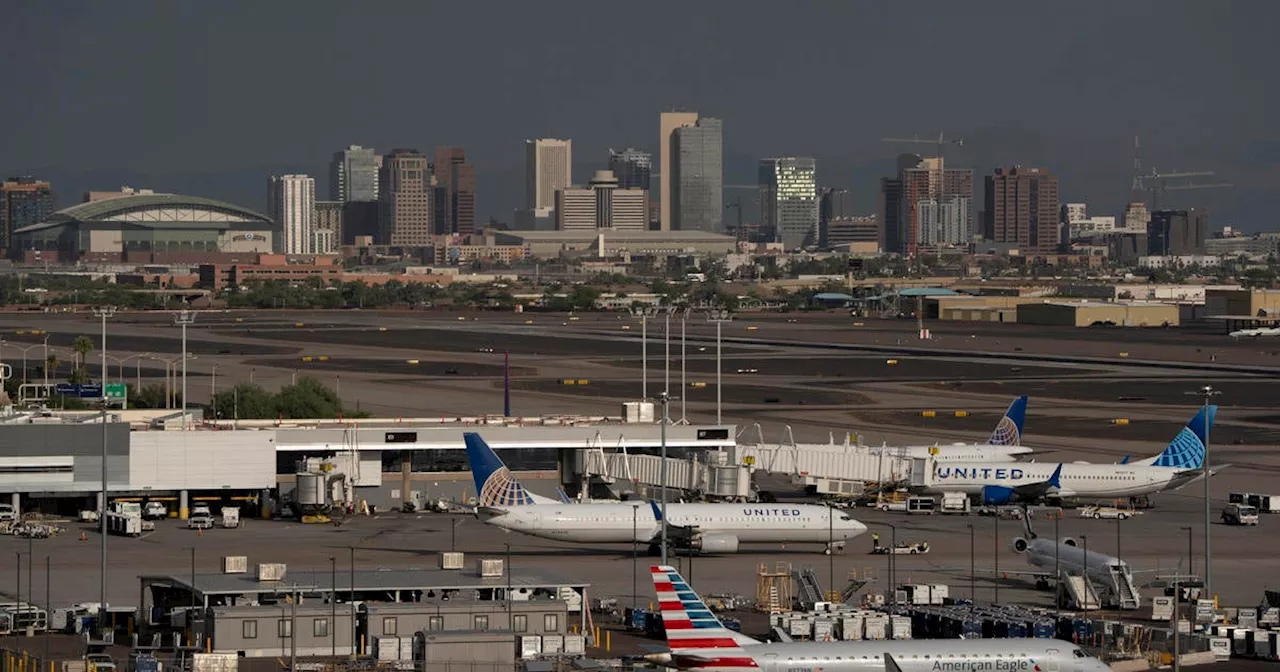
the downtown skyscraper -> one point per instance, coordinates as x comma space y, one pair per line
697, 177
668, 122
789, 201
926, 205
632, 168
404, 200
291, 202
23, 201
353, 175
1021, 210
454, 193
548, 168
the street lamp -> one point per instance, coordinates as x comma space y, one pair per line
973, 568
102, 313
24, 350
169, 362
718, 316
1208, 393
893, 543
644, 313
684, 321
182, 319
662, 473
995, 553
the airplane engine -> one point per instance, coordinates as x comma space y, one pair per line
1019, 545
716, 542
1069, 541
997, 495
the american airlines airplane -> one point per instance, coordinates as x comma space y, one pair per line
1004, 445
698, 640
708, 528
1005, 483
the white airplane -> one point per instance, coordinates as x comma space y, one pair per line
1004, 445
708, 528
1005, 483
698, 640
1255, 333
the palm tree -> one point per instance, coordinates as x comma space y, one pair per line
51, 366
83, 346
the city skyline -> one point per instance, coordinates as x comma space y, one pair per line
1193, 111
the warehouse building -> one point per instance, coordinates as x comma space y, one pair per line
1099, 314
614, 243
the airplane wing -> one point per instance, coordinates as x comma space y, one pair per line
487, 512
1185, 477
1031, 492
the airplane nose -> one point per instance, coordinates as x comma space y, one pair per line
856, 528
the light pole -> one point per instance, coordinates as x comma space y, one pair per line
46, 364
213, 385
1057, 569
893, 543
684, 321
644, 313
102, 313
168, 389
718, 316
666, 357
1191, 559
24, 356
635, 556
182, 319
1208, 392
662, 475
351, 601
973, 568
333, 607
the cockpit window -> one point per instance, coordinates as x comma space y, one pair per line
1078, 654
843, 517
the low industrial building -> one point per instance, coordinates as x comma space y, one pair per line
613, 243
345, 611
1097, 313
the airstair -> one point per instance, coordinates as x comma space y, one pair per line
1126, 593
808, 589
1080, 591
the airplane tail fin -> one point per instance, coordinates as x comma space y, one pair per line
695, 636
1186, 451
1008, 431
1125, 460
495, 486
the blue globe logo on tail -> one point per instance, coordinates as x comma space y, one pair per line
495, 486
1186, 451
1009, 431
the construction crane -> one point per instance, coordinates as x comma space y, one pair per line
937, 142
1158, 182
1185, 187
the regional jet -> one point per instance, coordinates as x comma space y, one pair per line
1004, 444
706, 528
698, 640
1006, 483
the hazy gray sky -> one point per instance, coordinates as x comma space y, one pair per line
209, 97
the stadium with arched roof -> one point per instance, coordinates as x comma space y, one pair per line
149, 228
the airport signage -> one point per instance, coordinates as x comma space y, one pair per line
400, 437
116, 391
85, 391
713, 434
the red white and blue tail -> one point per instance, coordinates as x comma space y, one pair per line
698, 640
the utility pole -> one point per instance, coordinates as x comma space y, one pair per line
102, 313
182, 319
662, 476
719, 316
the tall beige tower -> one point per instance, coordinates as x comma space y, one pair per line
548, 169
667, 125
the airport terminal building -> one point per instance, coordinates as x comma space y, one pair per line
147, 229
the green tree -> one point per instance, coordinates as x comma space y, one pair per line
82, 347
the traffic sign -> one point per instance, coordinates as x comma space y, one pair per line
87, 391
115, 391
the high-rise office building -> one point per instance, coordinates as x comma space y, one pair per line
697, 177
926, 199
1021, 210
404, 210
23, 201
853, 233
632, 167
789, 201
1177, 233
328, 226
454, 197
291, 202
1136, 217
832, 204
353, 175
668, 122
548, 168
602, 205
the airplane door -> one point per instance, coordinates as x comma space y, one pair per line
1051, 660
770, 662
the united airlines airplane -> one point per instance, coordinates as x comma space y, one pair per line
708, 528
698, 640
1004, 444
1008, 483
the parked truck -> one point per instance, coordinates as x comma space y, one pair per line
955, 502
230, 516
126, 519
1239, 514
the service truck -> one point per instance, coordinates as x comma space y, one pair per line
955, 502
126, 519
1239, 514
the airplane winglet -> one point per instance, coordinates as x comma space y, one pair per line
1125, 460
1055, 480
657, 512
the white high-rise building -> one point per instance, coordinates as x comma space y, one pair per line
291, 202
548, 169
944, 223
602, 206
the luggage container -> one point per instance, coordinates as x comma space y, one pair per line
823, 630
451, 560
1264, 503
939, 593
875, 627
800, 626
851, 628
575, 645
387, 649
1240, 642
901, 626
271, 571
530, 646
1247, 618
235, 564
489, 567
552, 644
